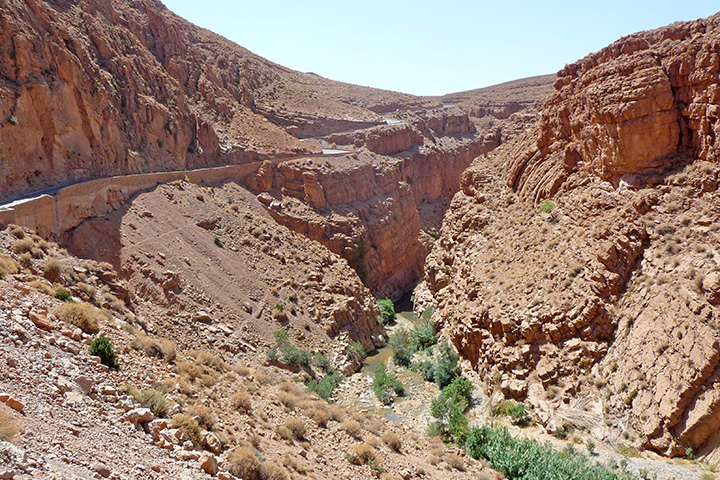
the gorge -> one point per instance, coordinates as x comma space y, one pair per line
562, 230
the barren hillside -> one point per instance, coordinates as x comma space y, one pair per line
561, 231
580, 260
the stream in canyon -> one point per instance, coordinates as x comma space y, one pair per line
408, 408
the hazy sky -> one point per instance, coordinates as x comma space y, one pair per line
431, 47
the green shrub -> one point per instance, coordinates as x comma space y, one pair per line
547, 206
281, 336
63, 295
387, 311
424, 334
321, 361
218, 242
101, 347
150, 398
325, 387
356, 352
441, 368
155, 401
527, 459
292, 355
386, 385
448, 409
512, 409
403, 347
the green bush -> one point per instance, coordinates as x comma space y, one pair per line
512, 409
218, 242
441, 368
281, 336
448, 409
294, 356
150, 398
387, 311
547, 206
424, 334
386, 385
527, 459
63, 295
325, 387
403, 347
321, 361
356, 352
101, 347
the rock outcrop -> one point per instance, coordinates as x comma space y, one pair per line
163, 243
626, 109
593, 272
367, 206
102, 87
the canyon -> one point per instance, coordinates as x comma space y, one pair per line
561, 230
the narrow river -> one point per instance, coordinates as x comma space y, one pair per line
411, 380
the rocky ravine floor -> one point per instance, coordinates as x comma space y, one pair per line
72, 418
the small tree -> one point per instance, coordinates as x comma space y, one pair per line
102, 348
387, 311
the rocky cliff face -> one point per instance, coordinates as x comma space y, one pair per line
627, 109
606, 290
367, 206
104, 87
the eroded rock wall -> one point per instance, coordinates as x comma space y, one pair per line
605, 292
96, 88
366, 206
626, 109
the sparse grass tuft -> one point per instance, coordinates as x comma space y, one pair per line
22, 246
8, 266
52, 269
243, 463
319, 416
455, 461
17, 232
8, 427
241, 402
202, 414
155, 347
82, 315
352, 428
188, 425
392, 441
362, 453
150, 398
297, 427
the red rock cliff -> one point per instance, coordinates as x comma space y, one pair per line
607, 293
106, 87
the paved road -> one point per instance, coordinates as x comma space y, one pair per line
34, 195
54, 190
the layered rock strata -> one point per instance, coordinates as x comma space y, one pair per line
104, 87
366, 206
591, 274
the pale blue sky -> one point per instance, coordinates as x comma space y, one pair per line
431, 47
